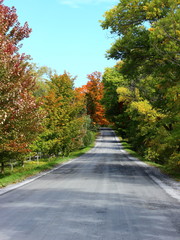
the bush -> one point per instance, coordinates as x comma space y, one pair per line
174, 162
88, 138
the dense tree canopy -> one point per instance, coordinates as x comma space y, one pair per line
148, 45
41, 111
66, 123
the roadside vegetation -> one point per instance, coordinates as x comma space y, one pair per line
32, 168
141, 93
43, 115
164, 168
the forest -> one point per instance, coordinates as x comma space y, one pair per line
42, 113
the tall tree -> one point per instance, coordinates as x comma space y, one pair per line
93, 92
148, 44
65, 122
147, 31
111, 80
19, 112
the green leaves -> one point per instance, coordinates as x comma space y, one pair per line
65, 125
165, 37
148, 45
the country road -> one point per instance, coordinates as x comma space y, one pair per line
102, 195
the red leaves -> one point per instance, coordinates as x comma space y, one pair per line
20, 118
11, 33
93, 91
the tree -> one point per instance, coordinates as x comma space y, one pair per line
20, 118
93, 91
43, 76
111, 79
148, 45
147, 32
65, 122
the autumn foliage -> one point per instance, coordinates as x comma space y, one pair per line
51, 119
37, 115
140, 95
66, 123
19, 112
93, 92
145, 81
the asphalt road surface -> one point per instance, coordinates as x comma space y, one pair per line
102, 195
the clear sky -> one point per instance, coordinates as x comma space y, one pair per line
66, 34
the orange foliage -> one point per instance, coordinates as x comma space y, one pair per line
93, 92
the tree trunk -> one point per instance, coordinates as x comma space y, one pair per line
2, 167
12, 166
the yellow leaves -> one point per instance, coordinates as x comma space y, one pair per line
123, 90
144, 108
145, 8
151, 29
178, 32
137, 94
125, 94
108, 15
151, 155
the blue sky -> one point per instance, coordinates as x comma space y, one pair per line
66, 34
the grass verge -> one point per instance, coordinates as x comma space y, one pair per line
165, 169
32, 168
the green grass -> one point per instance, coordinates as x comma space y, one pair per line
165, 169
32, 168
129, 149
